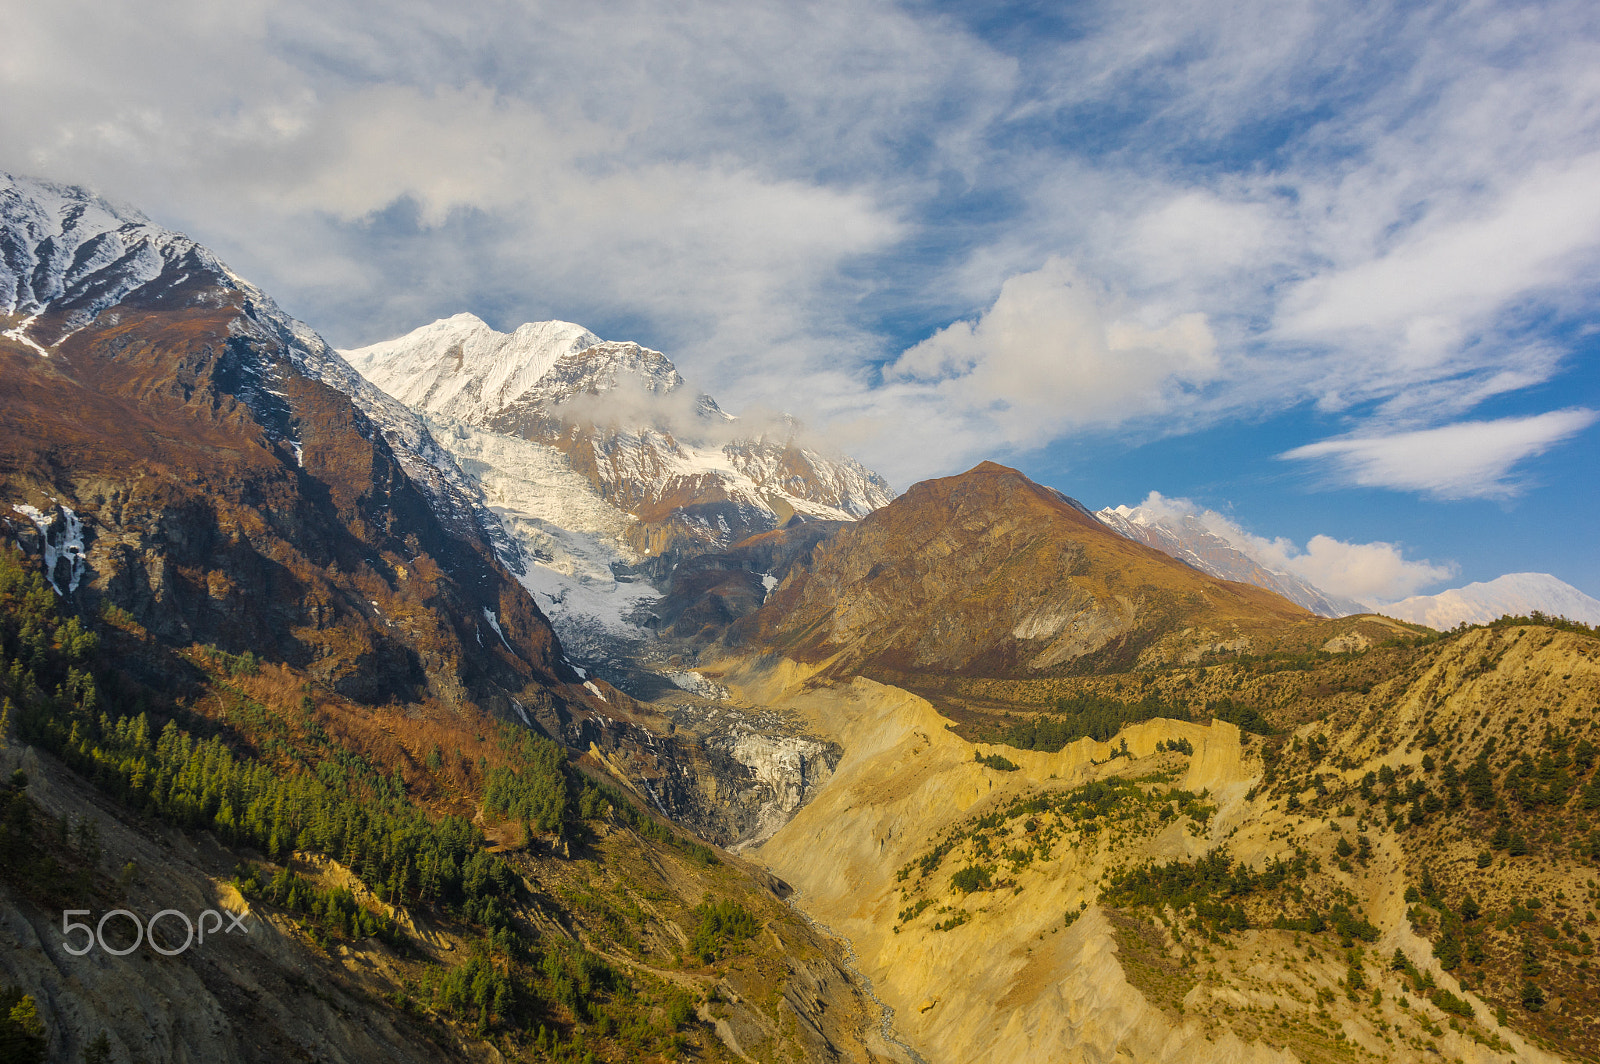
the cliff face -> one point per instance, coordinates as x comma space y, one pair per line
988, 573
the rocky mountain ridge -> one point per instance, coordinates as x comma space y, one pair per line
1188, 539
693, 476
987, 573
70, 256
191, 448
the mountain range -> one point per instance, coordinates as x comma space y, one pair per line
602, 464
525, 705
623, 418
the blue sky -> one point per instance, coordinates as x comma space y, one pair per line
1328, 268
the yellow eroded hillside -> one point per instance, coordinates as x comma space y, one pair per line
1025, 965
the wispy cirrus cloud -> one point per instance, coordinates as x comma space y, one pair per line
1468, 459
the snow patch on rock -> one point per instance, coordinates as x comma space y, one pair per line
64, 557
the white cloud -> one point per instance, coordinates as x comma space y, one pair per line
1417, 301
379, 165
1469, 459
1407, 225
1052, 354
1263, 204
1370, 573
1367, 572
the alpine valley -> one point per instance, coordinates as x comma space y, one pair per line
514, 701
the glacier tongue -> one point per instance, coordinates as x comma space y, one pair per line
568, 539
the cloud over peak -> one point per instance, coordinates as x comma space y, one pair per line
1371, 573
961, 234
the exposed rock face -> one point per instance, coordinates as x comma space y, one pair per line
173, 445
732, 772
990, 574
695, 478
709, 592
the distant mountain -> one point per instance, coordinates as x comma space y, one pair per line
1515, 594
603, 465
1189, 540
695, 477
990, 574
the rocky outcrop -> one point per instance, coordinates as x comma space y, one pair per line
707, 593
732, 772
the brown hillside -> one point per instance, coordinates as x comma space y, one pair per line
990, 574
164, 425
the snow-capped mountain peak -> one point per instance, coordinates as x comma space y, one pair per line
461, 367
1514, 594
601, 460
1209, 548
624, 417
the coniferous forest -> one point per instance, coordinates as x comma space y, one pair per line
279, 805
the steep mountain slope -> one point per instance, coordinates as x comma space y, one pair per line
990, 574
364, 923
1188, 539
1515, 594
694, 477
197, 458
260, 649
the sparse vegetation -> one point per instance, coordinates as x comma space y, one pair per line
274, 782
1087, 715
23, 1039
